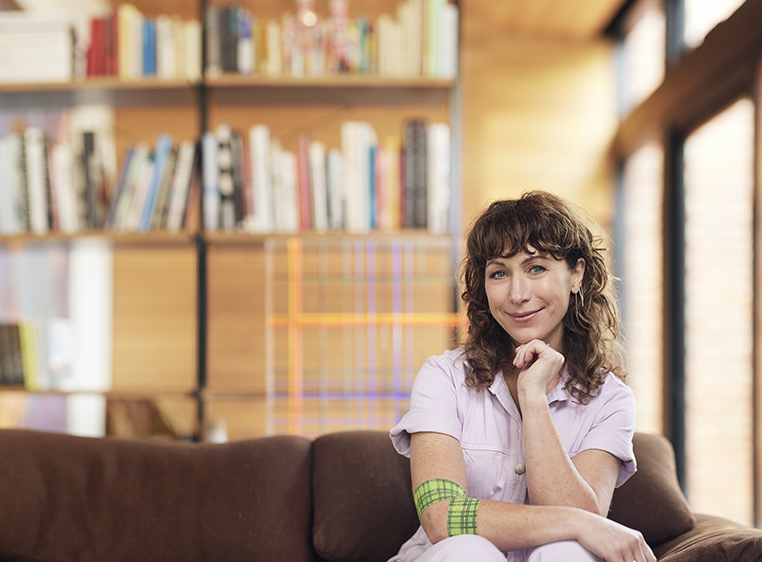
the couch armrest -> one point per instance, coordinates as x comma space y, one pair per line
713, 539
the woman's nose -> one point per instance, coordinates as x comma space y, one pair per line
519, 289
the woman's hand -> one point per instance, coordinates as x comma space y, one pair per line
539, 366
611, 541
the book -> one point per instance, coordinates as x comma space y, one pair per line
62, 187
305, 189
261, 178
11, 219
36, 180
178, 194
438, 178
42, 47
160, 166
211, 192
213, 62
318, 188
225, 180
159, 213
285, 190
335, 180
149, 47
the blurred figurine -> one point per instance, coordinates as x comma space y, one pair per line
304, 41
338, 37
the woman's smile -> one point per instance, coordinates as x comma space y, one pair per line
528, 294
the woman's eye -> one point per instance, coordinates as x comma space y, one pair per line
497, 275
537, 269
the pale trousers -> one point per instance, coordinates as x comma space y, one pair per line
472, 548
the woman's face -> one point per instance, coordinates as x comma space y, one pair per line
529, 293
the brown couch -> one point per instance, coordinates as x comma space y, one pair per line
342, 497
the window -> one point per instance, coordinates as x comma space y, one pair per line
643, 51
642, 282
702, 15
719, 322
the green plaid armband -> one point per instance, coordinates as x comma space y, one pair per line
436, 490
461, 516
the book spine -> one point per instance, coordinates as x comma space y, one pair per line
211, 192
163, 149
420, 182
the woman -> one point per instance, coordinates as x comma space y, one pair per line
518, 439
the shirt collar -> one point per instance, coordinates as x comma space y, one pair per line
559, 393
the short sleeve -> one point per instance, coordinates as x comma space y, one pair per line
433, 402
614, 426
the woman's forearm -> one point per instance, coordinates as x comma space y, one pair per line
552, 478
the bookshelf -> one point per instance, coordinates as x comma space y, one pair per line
298, 332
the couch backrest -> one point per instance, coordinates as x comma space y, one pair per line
74, 499
363, 504
364, 511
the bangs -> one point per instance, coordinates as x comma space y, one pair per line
514, 227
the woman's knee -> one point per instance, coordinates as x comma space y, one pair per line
463, 548
564, 551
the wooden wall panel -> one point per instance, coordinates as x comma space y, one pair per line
537, 114
236, 318
155, 318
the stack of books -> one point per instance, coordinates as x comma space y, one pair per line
37, 48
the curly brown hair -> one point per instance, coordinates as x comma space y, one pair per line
549, 225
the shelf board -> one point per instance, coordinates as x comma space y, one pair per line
246, 238
327, 81
105, 83
120, 238
114, 83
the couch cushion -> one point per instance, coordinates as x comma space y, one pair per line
651, 500
68, 499
713, 539
362, 497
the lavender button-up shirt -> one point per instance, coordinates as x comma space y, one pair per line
488, 426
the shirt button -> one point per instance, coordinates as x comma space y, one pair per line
520, 469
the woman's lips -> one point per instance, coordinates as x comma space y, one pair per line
524, 316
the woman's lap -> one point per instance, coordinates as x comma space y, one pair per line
473, 547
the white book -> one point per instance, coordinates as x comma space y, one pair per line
384, 37
335, 175
10, 155
411, 21
211, 192
166, 61
350, 152
36, 179
285, 190
261, 178
62, 187
318, 185
357, 138
180, 185
193, 50
127, 15
15, 20
450, 39
274, 63
439, 194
